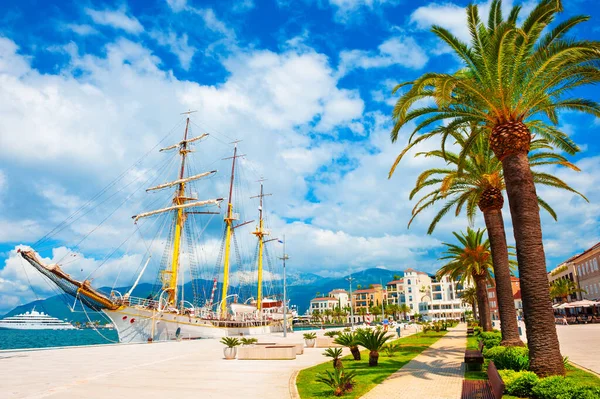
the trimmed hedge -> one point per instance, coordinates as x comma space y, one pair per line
558, 387
508, 358
519, 383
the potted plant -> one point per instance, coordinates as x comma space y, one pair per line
231, 344
309, 339
248, 341
349, 340
374, 341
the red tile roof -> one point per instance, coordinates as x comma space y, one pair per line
324, 299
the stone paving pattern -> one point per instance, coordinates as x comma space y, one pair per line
437, 373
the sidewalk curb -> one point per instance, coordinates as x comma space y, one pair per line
580, 367
294, 394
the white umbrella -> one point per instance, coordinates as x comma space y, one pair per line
584, 303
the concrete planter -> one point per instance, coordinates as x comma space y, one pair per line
310, 343
229, 353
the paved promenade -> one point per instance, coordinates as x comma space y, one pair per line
188, 369
581, 343
437, 373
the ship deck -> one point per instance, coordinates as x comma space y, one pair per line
186, 369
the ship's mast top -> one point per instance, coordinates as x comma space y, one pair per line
260, 233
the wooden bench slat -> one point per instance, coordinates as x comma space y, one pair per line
476, 389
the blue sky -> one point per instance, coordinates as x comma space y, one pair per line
88, 87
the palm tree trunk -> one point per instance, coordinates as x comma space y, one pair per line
544, 350
506, 303
482, 303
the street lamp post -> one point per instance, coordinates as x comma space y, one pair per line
284, 258
351, 307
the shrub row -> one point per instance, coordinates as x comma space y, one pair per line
527, 384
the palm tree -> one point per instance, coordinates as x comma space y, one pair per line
562, 288
349, 340
478, 183
404, 309
374, 341
469, 296
514, 77
471, 260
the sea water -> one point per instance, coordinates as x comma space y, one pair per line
21, 339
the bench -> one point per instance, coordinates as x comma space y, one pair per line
473, 360
267, 352
493, 388
327, 342
470, 331
299, 347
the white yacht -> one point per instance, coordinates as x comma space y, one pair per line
34, 321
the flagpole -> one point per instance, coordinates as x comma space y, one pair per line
284, 258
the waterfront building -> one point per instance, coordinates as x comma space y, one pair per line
493, 298
442, 300
342, 296
566, 270
375, 295
336, 298
395, 292
587, 265
433, 298
323, 303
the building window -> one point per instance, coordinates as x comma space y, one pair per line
410, 299
409, 281
579, 270
409, 290
491, 294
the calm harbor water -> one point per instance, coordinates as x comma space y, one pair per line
21, 339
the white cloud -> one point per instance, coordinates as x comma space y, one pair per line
347, 9
400, 50
117, 19
454, 17
177, 5
178, 46
82, 29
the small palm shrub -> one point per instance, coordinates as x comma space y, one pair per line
508, 358
519, 383
310, 335
374, 342
248, 341
347, 329
391, 349
230, 342
336, 355
332, 333
339, 380
349, 340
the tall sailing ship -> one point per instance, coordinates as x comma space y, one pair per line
167, 315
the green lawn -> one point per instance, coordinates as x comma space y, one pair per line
367, 377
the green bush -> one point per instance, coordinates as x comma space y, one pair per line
490, 339
557, 387
332, 333
519, 383
508, 358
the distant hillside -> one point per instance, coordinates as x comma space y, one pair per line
302, 287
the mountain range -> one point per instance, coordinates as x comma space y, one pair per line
301, 288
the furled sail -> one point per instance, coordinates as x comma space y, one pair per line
179, 181
174, 207
172, 147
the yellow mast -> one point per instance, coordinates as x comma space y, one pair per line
179, 221
229, 230
260, 233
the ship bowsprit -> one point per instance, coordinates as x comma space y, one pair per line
81, 290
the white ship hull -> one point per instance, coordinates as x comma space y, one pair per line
143, 325
4, 326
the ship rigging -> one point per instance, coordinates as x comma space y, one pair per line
167, 314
